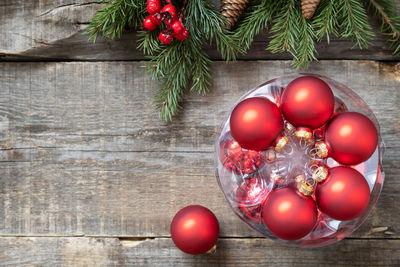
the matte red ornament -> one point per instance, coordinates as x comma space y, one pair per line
239, 160
289, 214
344, 194
195, 229
255, 123
351, 138
307, 101
250, 195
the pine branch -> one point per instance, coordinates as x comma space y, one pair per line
184, 65
210, 21
257, 16
294, 34
353, 22
111, 20
325, 20
306, 44
285, 29
389, 15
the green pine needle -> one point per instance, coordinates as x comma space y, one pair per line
353, 22
326, 21
389, 15
257, 17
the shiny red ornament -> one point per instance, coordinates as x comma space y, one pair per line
239, 160
148, 24
165, 37
344, 194
156, 19
250, 195
351, 138
171, 10
289, 214
177, 27
195, 229
183, 35
307, 101
255, 123
153, 6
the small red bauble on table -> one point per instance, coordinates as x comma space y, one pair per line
195, 229
299, 160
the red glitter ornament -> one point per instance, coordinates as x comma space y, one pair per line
250, 195
195, 229
255, 123
236, 159
350, 139
307, 101
343, 194
289, 213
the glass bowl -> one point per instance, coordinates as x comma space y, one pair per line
246, 185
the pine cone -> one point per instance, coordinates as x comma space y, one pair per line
232, 10
308, 7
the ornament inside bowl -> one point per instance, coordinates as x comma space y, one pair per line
299, 160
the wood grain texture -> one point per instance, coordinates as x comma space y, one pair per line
83, 151
83, 251
53, 30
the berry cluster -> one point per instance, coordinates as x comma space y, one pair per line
168, 14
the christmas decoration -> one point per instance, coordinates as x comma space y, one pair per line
182, 65
308, 7
250, 194
195, 229
350, 139
232, 10
239, 160
289, 213
272, 189
255, 123
307, 102
342, 192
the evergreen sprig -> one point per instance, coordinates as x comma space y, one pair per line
386, 11
184, 66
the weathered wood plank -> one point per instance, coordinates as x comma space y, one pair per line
84, 153
37, 30
83, 251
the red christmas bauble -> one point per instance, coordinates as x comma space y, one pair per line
344, 194
194, 229
236, 159
255, 123
289, 214
351, 137
250, 195
307, 101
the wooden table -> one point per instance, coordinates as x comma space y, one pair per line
91, 177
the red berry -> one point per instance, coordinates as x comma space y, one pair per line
177, 26
156, 19
153, 6
165, 37
171, 10
183, 35
148, 24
